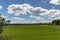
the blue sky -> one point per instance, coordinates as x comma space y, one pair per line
30, 11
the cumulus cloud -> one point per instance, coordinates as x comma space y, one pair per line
51, 13
56, 2
37, 10
17, 9
45, 15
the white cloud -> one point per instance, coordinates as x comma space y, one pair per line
56, 2
57, 18
1, 7
23, 22
47, 15
3, 16
37, 10
51, 13
36, 17
20, 19
17, 9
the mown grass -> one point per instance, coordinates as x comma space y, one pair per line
32, 32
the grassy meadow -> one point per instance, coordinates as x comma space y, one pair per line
32, 32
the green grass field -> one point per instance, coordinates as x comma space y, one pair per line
32, 32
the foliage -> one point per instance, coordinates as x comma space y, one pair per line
56, 22
2, 22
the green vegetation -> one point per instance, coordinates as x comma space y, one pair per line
32, 32
56, 22
2, 23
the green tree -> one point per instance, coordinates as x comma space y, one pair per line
56, 22
2, 23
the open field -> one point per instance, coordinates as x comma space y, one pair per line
32, 32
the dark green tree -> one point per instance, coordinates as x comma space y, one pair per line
56, 22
